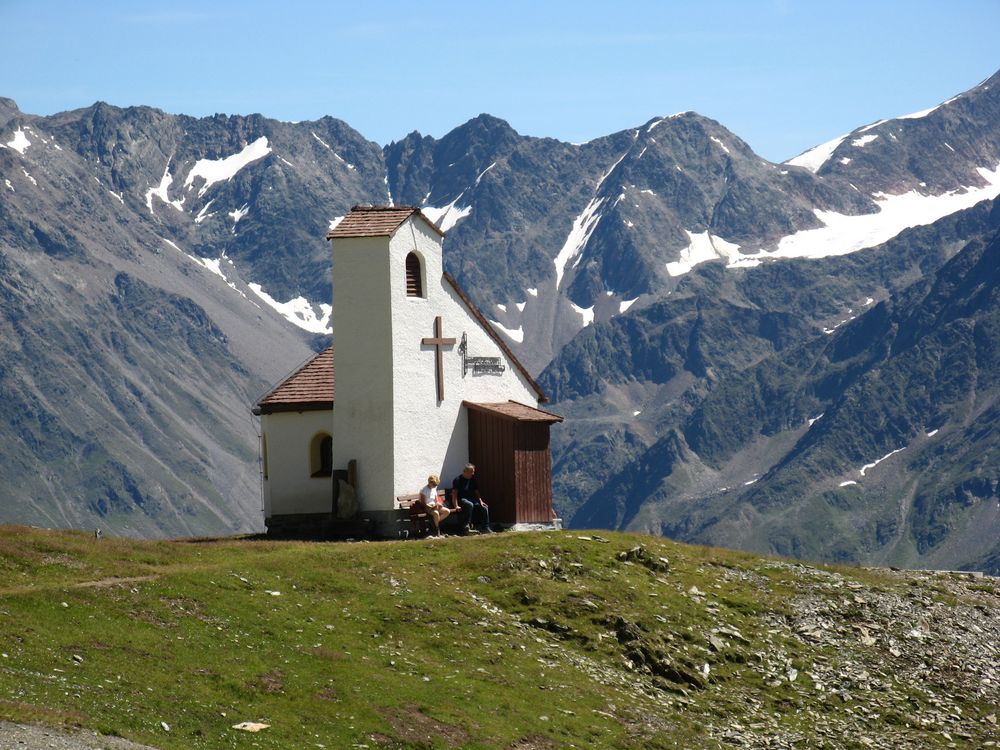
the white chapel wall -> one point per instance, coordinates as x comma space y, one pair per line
289, 488
362, 360
430, 437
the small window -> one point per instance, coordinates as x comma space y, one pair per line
263, 454
321, 456
414, 285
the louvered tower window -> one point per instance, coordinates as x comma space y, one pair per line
414, 287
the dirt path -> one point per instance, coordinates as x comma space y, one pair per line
31, 737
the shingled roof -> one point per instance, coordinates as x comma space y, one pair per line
310, 388
376, 221
515, 411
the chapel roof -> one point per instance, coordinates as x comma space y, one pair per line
515, 411
376, 221
309, 388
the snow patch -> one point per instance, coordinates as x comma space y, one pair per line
119, 196
932, 433
203, 214
212, 264
240, 212
220, 170
583, 227
173, 245
160, 192
299, 311
873, 125
513, 335
847, 483
845, 160
866, 467
625, 304
476, 184
918, 115
532, 291
703, 247
502, 307
28, 175
7, 183
815, 419
446, 218
19, 142
587, 313
863, 140
842, 234
816, 157
520, 305
720, 143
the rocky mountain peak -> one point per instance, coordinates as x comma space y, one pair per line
8, 109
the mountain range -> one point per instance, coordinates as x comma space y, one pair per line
731, 340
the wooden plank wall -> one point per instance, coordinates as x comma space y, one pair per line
514, 467
533, 472
491, 449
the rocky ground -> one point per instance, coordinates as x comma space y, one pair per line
902, 665
28, 737
867, 658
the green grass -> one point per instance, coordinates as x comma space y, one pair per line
533, 640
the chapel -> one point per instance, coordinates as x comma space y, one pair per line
417, 382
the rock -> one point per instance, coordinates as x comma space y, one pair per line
250, 726
640, 555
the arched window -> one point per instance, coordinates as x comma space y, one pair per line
414, 282
321, 456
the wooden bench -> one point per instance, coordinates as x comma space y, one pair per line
416, 519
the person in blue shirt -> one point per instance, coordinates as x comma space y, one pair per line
465, 495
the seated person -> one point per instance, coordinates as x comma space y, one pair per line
465, 494
435, 508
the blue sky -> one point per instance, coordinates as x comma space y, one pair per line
784, 75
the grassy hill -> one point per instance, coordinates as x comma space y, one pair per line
531, 640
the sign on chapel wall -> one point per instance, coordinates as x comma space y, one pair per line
478, 365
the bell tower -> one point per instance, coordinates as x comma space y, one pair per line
386, 260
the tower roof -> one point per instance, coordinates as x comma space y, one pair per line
376, 221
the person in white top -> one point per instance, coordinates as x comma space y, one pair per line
435, 508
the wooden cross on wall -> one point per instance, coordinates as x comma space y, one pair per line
437, 342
